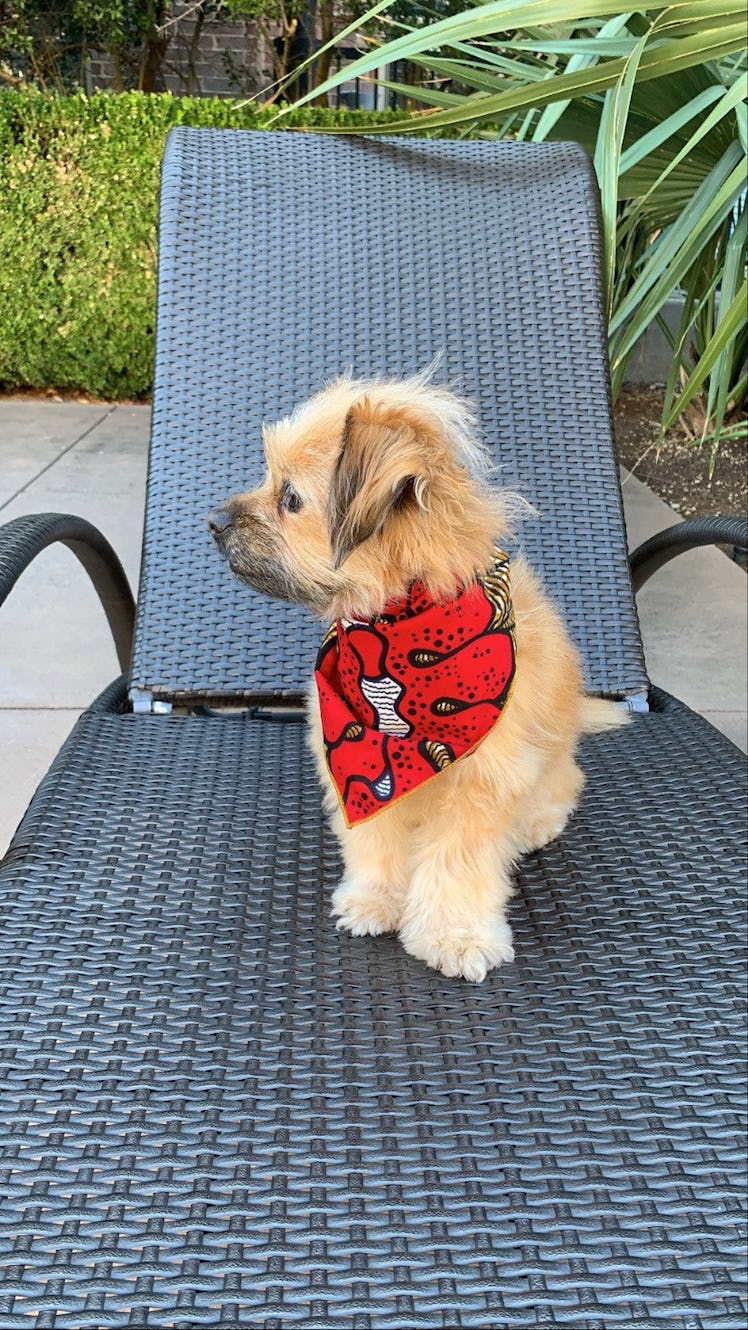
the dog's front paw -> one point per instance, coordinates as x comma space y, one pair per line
543, 828
466, 954
364, 908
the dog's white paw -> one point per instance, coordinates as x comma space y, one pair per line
363, 908
467, 955
544, 827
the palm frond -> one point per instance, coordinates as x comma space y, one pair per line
657, 96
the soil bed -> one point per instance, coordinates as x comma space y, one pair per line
679, 470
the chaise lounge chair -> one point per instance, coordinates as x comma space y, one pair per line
216, 1109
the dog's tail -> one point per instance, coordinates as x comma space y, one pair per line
600, 714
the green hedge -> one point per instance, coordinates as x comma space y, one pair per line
78, 208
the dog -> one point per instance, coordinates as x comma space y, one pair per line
448, 698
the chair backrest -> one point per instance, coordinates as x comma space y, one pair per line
288, 257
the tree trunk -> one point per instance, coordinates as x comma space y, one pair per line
154, 50
193, 82
155, 45
322, 66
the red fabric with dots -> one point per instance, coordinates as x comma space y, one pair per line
405, 695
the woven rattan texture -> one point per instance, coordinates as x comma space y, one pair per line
287, 258
220, 1112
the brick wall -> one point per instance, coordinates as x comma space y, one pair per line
219, 57
215, 58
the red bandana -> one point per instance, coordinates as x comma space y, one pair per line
404, 695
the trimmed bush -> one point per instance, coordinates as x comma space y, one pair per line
79, 183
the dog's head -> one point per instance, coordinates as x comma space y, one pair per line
370, 485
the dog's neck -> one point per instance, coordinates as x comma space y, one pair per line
365, 599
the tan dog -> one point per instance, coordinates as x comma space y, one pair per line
372, 486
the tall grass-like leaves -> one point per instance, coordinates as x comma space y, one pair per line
608, 156
657, 96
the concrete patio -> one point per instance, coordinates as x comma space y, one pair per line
56, 653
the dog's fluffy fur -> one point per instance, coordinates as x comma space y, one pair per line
371, 485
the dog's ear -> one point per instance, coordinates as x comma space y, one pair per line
380, 470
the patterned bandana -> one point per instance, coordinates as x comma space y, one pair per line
406, 694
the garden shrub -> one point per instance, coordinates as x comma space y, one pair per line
78, 213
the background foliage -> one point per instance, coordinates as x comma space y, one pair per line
657, 96
48, 42
78, 209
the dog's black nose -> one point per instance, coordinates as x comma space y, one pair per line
219, 520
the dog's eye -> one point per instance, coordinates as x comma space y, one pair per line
289, 501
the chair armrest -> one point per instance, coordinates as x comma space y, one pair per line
659, 549
25, 537
114, 700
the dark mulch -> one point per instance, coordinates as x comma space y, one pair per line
679, 470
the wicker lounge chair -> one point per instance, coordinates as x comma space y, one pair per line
217, 1110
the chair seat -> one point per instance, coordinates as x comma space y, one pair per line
222, 1112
